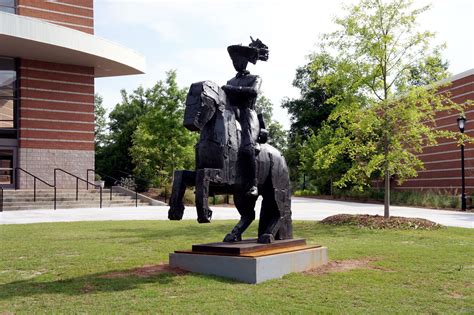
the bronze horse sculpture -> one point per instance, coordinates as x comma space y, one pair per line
219, 169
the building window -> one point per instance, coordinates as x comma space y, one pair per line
8, 97
8, 6
6, 167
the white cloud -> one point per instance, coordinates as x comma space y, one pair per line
193, 35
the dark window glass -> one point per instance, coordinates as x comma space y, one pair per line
6, 167
7, 82
8, 100
7, 114
7, 77
7, 9
7, 64
7, 6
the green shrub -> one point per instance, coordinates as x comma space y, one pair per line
431, 199
306, 193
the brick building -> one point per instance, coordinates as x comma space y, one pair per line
443, 162
49, 58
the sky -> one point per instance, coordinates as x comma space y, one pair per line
191, 37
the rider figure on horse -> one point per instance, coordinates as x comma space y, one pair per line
242, 92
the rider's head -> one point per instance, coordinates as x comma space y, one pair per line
242, 55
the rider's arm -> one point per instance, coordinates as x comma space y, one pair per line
247, 90
250, 91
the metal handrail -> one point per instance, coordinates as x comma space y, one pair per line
87, 176
101, 175
35, 178
106, 176
116, 181
137, 177
77, 183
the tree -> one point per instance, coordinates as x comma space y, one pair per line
100, 128
276, 134
308, 112
123, 121
321, 179
265, 107
311, 109
160, 142
383, 116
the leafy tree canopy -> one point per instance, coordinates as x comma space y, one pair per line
146, 136
123, 120
100, 128
383, 114
311, 109
309, 112
277, 136
160, 142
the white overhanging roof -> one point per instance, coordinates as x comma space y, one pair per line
30, 38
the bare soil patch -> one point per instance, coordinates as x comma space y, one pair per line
345, 265
455, 295
380, 222
87, 288
144, 272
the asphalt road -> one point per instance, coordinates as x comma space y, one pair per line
302, 208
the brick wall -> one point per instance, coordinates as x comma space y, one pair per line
443, 161
56, 108
76, 14
56, 125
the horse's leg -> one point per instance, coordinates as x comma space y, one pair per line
269, 217
203, 179
283, 200
275, 215
246, 207
181, 180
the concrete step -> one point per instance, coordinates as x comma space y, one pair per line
32, 206
95, 201
63, 198
51, 192
71, 206
50, 201
75, 203
24, 199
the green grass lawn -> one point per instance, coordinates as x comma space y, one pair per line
60, 267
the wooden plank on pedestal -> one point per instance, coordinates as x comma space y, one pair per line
245, 246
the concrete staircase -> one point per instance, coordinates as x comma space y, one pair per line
24, 199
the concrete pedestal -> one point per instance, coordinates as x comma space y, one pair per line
252, 268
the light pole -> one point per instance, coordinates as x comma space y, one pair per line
461, 125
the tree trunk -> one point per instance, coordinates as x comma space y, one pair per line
386, 210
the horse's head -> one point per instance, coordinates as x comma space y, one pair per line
201, 104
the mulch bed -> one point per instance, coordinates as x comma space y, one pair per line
380, 222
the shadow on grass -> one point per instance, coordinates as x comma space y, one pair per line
187, 231
94, 283
217, 230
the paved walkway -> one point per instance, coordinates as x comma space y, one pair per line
303, 209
